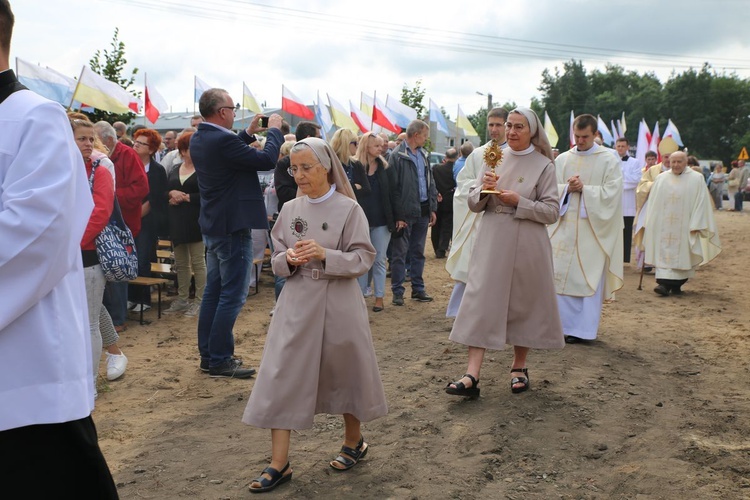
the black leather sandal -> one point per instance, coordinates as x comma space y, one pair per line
277, 478
520, 380
349, 457
460, 388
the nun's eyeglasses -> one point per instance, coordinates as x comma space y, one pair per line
305, 169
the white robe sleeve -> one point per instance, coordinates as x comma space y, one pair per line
44, 200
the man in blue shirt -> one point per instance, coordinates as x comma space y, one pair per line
466, 149
415, 208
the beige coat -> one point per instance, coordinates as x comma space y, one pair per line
319, 356
510, 293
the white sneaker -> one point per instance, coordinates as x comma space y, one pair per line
137, 308
272, 311
193, 310
131, 304
179, 305
116, 364
368, 292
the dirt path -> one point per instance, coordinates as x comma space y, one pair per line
658, 407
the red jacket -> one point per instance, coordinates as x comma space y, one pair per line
104, 200
132, 185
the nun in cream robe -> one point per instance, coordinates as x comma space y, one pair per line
319, 356
510, 292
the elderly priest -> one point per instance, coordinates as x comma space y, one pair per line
680, 232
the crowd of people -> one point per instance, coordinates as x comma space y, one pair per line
547, 236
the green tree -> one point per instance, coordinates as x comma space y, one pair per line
711, 110
413, 98
111, 64
563, 92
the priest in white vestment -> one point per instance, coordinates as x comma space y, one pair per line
680, 232
464, 220
587, 239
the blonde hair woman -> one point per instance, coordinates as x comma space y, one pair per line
344, 144
378, 207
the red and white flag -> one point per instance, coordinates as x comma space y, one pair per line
293, 105
382, 116
655, 140
360, 118
155, 104
644, 139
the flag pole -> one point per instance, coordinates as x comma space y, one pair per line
242, 119
195, 84
145, 91
78, 84
458, 115
361, 101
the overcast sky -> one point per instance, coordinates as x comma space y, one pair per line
344, 47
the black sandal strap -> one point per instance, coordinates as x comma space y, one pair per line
274, 474
474, 381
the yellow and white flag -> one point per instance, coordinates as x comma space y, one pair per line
248, 100
341, 117
549, 129
97, 91
464, 124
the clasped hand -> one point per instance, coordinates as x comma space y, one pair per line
304, 251
574, 184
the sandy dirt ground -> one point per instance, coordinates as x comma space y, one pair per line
657, 408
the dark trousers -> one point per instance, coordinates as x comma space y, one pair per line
116, 301
627, 237
145, 244
441, 232
739, 196
55, 461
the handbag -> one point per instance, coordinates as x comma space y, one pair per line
115, 245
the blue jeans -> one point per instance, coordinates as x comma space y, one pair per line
379, 236
411, 246
278, 285
228, 262
116, 301
739, 196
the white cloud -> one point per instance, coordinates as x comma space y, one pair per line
346, 47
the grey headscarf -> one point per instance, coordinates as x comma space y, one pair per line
327, 157
538, 135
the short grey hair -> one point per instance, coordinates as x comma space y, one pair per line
105, 130
211, 100
415, 127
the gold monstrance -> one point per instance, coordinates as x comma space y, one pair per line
493, 156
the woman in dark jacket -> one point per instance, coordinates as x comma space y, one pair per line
189, 251
378, 207
146, 143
